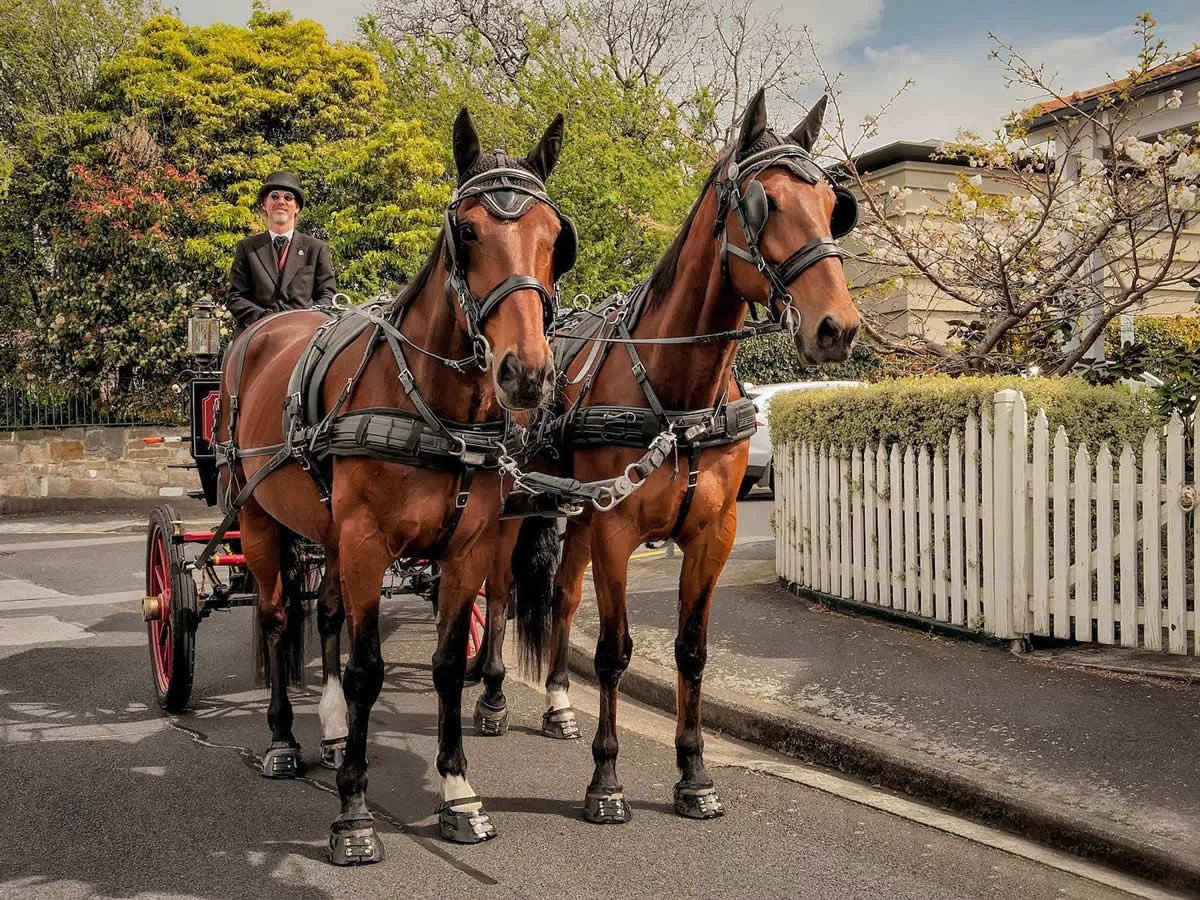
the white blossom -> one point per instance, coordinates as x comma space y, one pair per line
1186, 167
1175, 100
1183, 198
976, 180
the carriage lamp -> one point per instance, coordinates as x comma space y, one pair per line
204, 331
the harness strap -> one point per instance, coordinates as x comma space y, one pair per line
281, 457
693, 478
511, 285
460, 505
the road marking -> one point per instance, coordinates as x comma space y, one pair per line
14, 589
73, 545
24, 630
57, 601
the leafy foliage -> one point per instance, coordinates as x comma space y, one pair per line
629, 170
926, 410
132, 207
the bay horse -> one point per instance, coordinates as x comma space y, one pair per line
688, 317
411, 413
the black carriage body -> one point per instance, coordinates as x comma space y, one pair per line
202, 394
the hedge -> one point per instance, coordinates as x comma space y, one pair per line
925, 410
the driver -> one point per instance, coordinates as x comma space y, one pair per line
280, 268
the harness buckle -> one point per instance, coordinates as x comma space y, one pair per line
406, 379
639, 371
460, 501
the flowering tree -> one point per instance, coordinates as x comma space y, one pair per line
1069, 220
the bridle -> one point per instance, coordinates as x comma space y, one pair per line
506, 192
750, 207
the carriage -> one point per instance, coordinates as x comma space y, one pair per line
186, 582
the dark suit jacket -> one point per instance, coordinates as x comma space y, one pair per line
256, 288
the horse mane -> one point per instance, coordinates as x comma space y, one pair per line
663, 275
413, 289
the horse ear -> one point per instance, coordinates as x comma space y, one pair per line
806, 133
754, 121
466, 142
544, 156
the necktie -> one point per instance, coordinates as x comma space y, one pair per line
280, 242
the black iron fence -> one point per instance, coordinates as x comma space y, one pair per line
26, 407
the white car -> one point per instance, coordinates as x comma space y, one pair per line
760, 472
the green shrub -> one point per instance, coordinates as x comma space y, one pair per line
926, 410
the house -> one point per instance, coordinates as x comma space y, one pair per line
914, 307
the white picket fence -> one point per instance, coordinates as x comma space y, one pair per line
993, 533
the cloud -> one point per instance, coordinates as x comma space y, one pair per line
957, 86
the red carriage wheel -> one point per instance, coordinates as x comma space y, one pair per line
478, 624
169, 609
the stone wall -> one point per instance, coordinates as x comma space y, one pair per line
95, 463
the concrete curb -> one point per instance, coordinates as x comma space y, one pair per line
881, 762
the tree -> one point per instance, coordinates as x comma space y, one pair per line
1069, 217
181, 129
629, 168
706, 57
53, 50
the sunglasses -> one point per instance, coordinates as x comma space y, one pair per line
286, 195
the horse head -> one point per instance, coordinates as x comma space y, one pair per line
790, 212
506, 246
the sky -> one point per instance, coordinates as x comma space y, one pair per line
878, 44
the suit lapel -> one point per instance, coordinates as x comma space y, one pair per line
295, 257
266, 255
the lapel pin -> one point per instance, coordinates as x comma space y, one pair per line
299, 252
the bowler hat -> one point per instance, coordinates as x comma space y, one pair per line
281, 181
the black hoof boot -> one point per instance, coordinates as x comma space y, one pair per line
464, 827
560, 724
490, 721
606, 807
333, 751
698, 801
353, 841
282, 760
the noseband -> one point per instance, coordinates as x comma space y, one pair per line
507, 193
750, 206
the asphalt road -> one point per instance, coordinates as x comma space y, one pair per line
101, 796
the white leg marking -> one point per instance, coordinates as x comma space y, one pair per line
332, 710
556, 698
455, 787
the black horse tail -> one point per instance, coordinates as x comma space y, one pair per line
534, 561
294, 572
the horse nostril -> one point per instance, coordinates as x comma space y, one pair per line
850, 335
509, 369
828, 333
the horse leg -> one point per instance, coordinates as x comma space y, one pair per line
461, 818
491, 709
605, 801
262, 538
559, 720
352, 836
704, 559
332, 709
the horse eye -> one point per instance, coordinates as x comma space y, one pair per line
771, 205
467, 233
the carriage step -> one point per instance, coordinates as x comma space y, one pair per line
196, 495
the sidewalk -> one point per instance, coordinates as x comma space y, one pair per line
1106, 764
